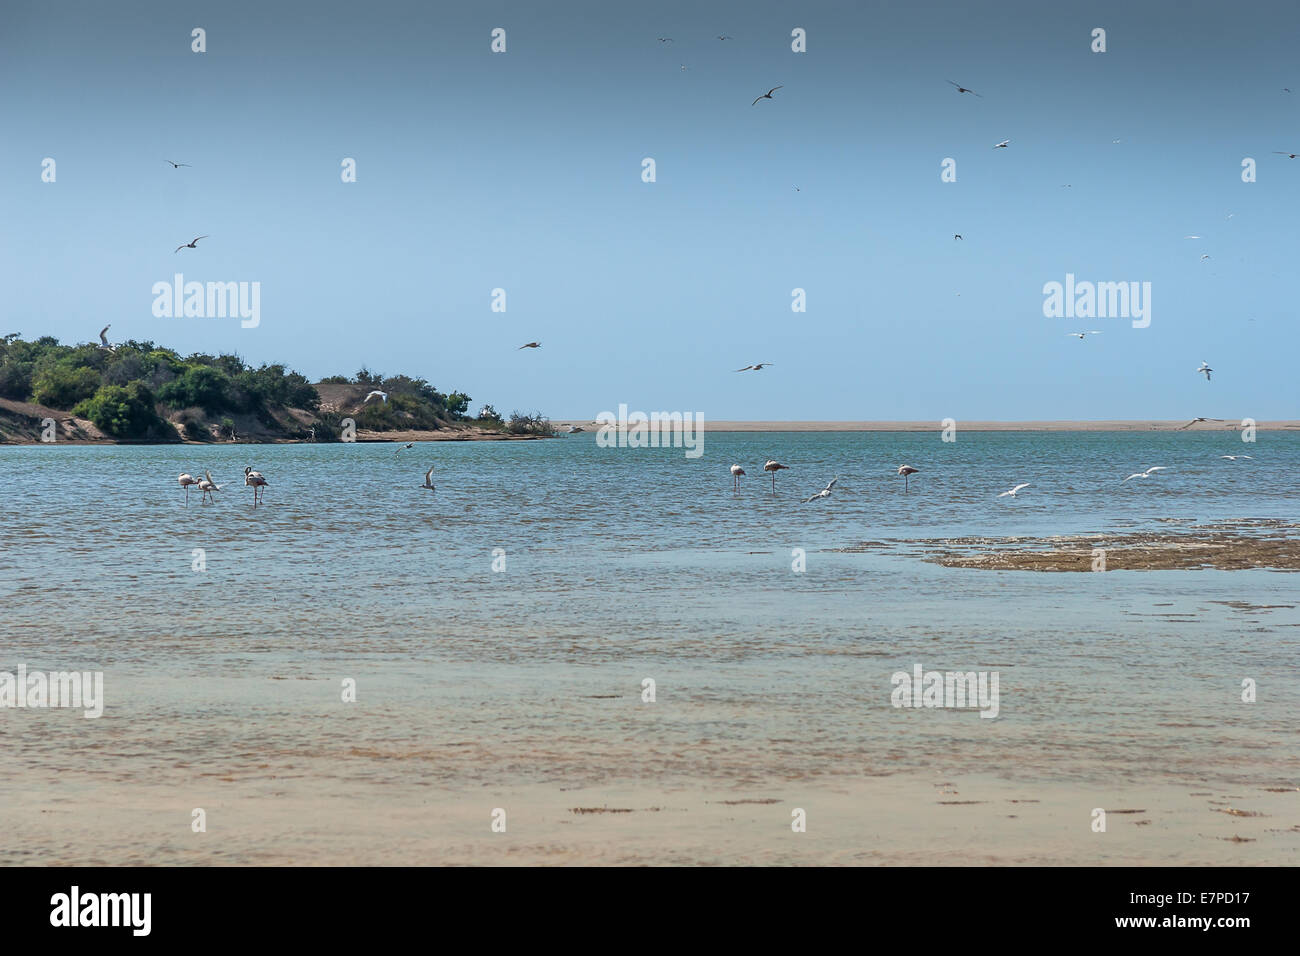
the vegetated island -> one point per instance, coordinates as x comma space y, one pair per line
142, 392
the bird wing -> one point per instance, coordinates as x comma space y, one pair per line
1136, 475
756, 99
745, 369
832, 482
1018, 487
1157, 468
197, 238
181, 246
427, 474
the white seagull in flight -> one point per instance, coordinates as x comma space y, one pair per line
1145, 474
1013, 491
382, 395
825, 492
1205, 370
1079, 335
1235, 457
1003, 145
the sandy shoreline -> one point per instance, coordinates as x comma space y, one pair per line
1109, 425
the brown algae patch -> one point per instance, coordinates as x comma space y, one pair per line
1219, 547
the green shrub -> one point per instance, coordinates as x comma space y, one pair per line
60, 387
126, 412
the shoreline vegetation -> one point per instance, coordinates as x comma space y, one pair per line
142, 393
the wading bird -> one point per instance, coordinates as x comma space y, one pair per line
208, 487
906, 470
177, 165
382, 395
428, 480
736, 474
1013, 491
1146, 474
1205, 370
255, 479
189, 245
530, 345
774, 467
1079, 335
765, 96
186, 479
755, 368
962, 89
825, 492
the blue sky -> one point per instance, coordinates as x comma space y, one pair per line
523, 171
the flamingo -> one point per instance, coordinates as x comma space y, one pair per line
255, 479
906, 470
736, 474
186, 479
208, 486
774, 467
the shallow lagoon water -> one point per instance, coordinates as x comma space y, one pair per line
621, 564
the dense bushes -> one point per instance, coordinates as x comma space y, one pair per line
126, 412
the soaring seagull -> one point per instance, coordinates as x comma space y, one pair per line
1145, 474
428, 479
1079, 335
1195, 420
1013, 491
382, 395
962, 89
825, 492
1287, 155
177, 165
1205, 370
1003, 145
755, 368
189, 245
103, 337
766, 96
530, 345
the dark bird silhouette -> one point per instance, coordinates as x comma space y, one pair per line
766, 96
189, 245
962, 89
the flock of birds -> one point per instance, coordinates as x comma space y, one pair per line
906, 471
209, 487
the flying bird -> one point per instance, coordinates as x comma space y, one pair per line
189, 245
1195, 420
409, 444
825, 492
255, 479
103, 337
962, 89
186, 479
1145, 474
1206, 256
1079, 335
1206, 370
736, 474
766, 96
382, 395
1013, 491
1003, 145
1193, 237
428, 480
1235, 457
1287, 155
956, 236
774, 467
906, 470
530, 345
755, 368
664, 39
726, 38
177, 165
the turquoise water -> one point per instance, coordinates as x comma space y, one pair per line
622, 564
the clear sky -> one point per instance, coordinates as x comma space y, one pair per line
522, 171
